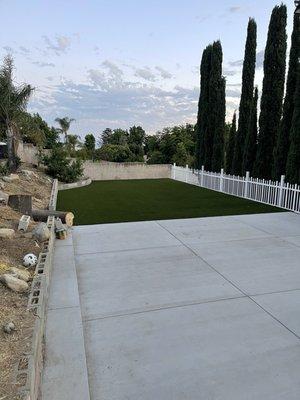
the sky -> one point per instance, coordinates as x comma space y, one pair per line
118, 63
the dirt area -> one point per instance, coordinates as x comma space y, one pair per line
13, 305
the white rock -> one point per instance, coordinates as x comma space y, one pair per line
22, 274
11, 178
7, 233
41, 232
13, 283
3, 197
9, 328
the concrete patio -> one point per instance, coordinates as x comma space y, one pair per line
193, 309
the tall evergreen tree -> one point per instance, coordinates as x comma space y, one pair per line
219, 133
203, 114
293, 161
251, 138
216, 124
230, 145
272, 93
246, 96
283, 141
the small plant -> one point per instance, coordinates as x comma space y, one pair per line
59, 166
3, 169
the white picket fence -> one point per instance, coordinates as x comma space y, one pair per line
280, 194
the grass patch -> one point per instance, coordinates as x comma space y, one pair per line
150, 199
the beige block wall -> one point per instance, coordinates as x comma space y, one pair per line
28, 153
101, 171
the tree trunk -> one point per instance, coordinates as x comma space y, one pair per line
21, 203
42, 215
11, 149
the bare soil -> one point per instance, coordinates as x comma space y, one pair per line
13, 305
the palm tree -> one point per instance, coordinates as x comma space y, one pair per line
73, 141
65, 124
13, 101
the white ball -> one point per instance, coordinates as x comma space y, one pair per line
30, 260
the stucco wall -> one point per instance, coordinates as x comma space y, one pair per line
100, 171
28, 153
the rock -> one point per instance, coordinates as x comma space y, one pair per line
28, 235
28, 173
9, 328
3, 197
41, 232
22, 274
13, 283
7, 233
2, 186
11, 178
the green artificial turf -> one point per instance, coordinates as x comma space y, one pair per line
150, 199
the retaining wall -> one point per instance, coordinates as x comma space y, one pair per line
28, 153
29, 368
101, 171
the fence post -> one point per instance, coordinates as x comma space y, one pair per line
186, 173
174, 171
247, 183
221, 180
281, 190
202, 175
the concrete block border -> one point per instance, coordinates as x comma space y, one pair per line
29, 368
66, 186
53, 196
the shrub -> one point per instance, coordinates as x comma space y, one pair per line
3, 169
59, 166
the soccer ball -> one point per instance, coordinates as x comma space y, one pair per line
29, 260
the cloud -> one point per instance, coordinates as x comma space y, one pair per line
234, 9
59, 46
260, 59
24, 50
163, 73
146, 74
233, 93
8, 49
230, 72
43, 64
123, 103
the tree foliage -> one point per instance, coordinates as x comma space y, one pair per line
230, 145
246, 97
64, 124
13, 101
272, 92
283, 141
211, 110
202, 126
293, 161
251, 137
59, 166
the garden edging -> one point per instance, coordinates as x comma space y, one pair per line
29, 368
82, 183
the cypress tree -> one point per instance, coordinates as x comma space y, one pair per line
251, 138
203, 114
216, 123
293, 161
230, 145
283, 141
272, 94
219, 133
246, 96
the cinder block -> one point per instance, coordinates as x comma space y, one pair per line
23, 223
